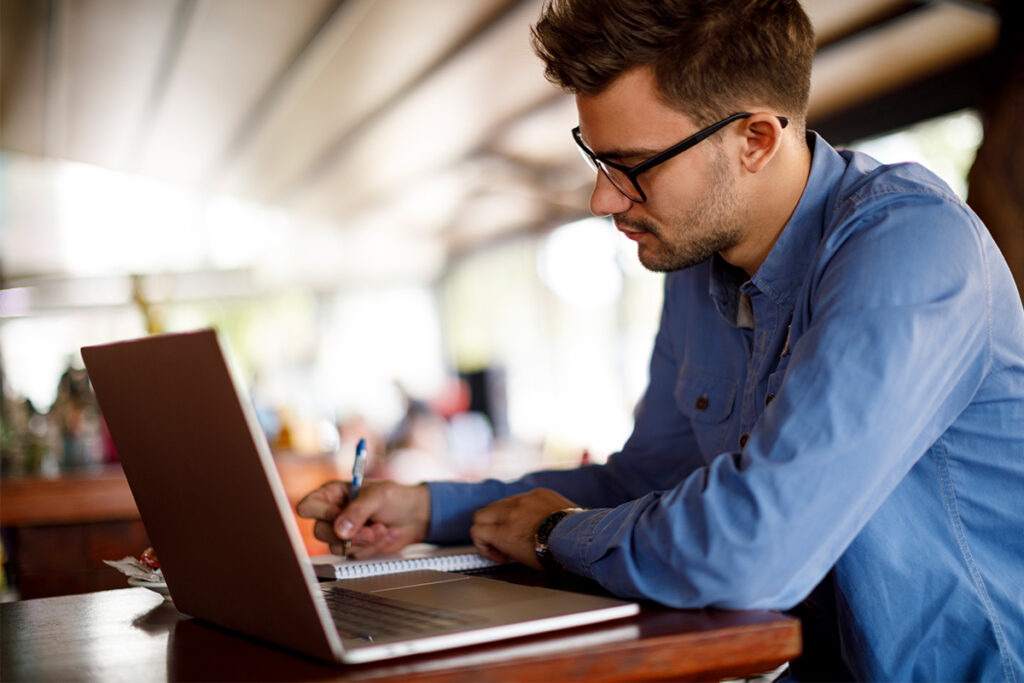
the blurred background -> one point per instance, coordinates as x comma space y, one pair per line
379, 203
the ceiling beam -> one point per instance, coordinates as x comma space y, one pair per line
170, 54
334, 151
897, 53
337, 23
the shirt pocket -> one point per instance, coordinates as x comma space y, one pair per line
704, 397
708, 401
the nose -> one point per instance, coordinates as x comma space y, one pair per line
606, 200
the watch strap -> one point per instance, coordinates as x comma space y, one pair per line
540, 546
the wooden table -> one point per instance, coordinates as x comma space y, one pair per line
133, 634
58, 530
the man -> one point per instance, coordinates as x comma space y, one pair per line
835, 414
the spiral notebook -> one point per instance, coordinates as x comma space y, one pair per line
421, 556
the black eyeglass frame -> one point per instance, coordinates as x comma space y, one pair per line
631, 172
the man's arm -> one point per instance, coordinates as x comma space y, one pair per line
660, 452
896, 346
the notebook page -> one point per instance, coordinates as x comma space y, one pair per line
414, 557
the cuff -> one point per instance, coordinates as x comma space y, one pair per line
452, 505
572, 538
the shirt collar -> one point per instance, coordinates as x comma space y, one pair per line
784, 270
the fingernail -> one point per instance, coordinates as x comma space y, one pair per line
393, 534
344, 528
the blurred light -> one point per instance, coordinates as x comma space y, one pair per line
578, 262
35, 355
241, 233
112, 221
15, 302
543, 136
372, 342
945, 145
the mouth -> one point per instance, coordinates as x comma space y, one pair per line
632, 229
633, 233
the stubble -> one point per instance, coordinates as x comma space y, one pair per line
691, 237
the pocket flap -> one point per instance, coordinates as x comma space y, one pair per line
705, 397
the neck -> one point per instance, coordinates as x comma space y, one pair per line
771, 199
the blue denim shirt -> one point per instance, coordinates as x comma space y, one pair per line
866, 431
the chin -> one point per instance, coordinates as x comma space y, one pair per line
667, 263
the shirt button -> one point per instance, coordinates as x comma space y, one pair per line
743, 440
702, 403
769, 398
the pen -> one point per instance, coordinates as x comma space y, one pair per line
358, 465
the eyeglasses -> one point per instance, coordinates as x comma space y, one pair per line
624, 178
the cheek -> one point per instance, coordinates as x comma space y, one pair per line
670, 196
679, 181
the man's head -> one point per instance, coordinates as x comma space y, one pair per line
710, 58
648, 76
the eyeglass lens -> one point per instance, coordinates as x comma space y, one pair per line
616, 177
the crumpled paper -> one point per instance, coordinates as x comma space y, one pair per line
133, 569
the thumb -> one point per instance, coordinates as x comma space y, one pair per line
355, 515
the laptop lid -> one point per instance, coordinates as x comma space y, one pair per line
207, 489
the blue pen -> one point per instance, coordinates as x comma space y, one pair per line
358, 465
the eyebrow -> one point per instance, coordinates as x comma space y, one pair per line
620, 154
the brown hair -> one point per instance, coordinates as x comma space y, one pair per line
709, 57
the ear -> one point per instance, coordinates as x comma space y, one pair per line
762, 136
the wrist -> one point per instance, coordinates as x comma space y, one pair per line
421, 510
542, 535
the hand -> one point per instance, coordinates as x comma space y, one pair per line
384, 518
505, 529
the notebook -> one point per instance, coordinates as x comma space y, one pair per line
216, 513
419, 556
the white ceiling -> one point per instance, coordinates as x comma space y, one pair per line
403, 132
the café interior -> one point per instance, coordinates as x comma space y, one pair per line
379, 204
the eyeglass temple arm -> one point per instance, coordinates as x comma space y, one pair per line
691, 141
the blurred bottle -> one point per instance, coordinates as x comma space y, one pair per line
76, 416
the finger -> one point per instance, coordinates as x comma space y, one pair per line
324, 531
324, 502
355, 515
483, 536
370, 535
371, 540
379, 531
362, 551
395, 540
384, 540
495, 513
490, 552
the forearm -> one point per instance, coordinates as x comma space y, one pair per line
452, 504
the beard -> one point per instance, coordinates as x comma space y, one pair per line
695, 235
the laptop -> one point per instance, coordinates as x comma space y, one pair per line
212, 502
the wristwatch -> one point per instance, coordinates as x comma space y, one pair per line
540, 539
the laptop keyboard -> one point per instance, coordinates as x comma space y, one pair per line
370, 616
